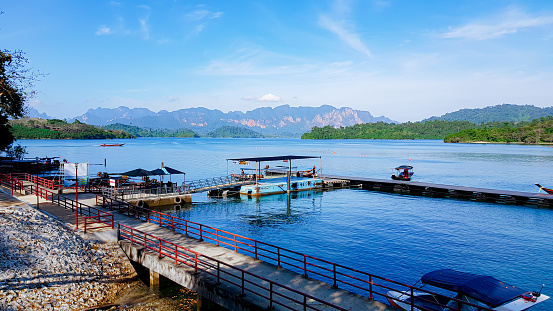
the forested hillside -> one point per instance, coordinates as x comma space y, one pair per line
410, 130
535, 132
151, 132
498, 113
31, 128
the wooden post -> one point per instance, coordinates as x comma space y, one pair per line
76, 197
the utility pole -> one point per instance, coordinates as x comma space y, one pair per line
76, 196
37, 200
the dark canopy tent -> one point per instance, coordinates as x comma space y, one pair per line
166, 170
158, 171
139, 172
170, 170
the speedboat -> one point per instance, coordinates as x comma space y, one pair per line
403, 172
472, 292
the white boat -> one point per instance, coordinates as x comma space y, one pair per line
472, 292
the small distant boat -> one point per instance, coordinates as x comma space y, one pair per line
111, 145
403, 172
549, 191
472, 291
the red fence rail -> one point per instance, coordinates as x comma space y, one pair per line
92, 214
10, 182
246, 282
338, 275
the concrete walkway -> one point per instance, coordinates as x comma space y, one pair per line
315, 288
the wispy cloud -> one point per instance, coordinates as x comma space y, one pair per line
350, 38
199, 15
144, 28
336, 22
511, 22
103, 31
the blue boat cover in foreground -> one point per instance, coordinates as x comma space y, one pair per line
486, 289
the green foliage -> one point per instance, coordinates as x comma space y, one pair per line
56, 121
234, 132
151, 132
498, 113
59, 129
535, 132
12, 96
411, 130
16, 152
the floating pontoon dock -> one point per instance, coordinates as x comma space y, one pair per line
447, 191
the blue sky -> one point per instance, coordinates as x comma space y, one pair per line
406, 60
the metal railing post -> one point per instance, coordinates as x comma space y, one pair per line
304, 265
218, 272
255, 246
335, 285
278, 257
371, 287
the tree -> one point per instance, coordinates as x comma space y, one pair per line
14, 80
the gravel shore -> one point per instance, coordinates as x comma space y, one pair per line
45, 265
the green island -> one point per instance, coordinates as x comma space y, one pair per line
524, 132
35, 128
234, 132
151, 132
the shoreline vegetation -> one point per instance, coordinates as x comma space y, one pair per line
539, 131
35, 128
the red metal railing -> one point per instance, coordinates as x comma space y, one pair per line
336, 274
92, 215
246, 282
50, 184
10, 182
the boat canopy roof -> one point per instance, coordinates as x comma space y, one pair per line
402, 167
278, 158
486, 289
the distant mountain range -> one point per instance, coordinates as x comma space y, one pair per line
498, 113
282, 120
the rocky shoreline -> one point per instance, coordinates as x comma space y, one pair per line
45, 265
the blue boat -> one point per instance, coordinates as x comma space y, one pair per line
472, 292
286, 182
280, 185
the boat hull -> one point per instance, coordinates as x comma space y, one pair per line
279, 186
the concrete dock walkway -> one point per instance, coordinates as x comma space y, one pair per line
321, 290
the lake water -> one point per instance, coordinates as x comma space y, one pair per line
395, 236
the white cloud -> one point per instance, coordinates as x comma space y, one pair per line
350, 38
511, 22
249, 98
199, 15
269, 98
103, 31
144, 28
173, 98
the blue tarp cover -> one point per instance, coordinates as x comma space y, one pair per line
486, 289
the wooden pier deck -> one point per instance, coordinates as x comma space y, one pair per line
448, 191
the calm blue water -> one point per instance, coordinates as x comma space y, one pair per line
396, 236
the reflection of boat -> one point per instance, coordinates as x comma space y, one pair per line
111, 145
403, 172
549, 191
472, 292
